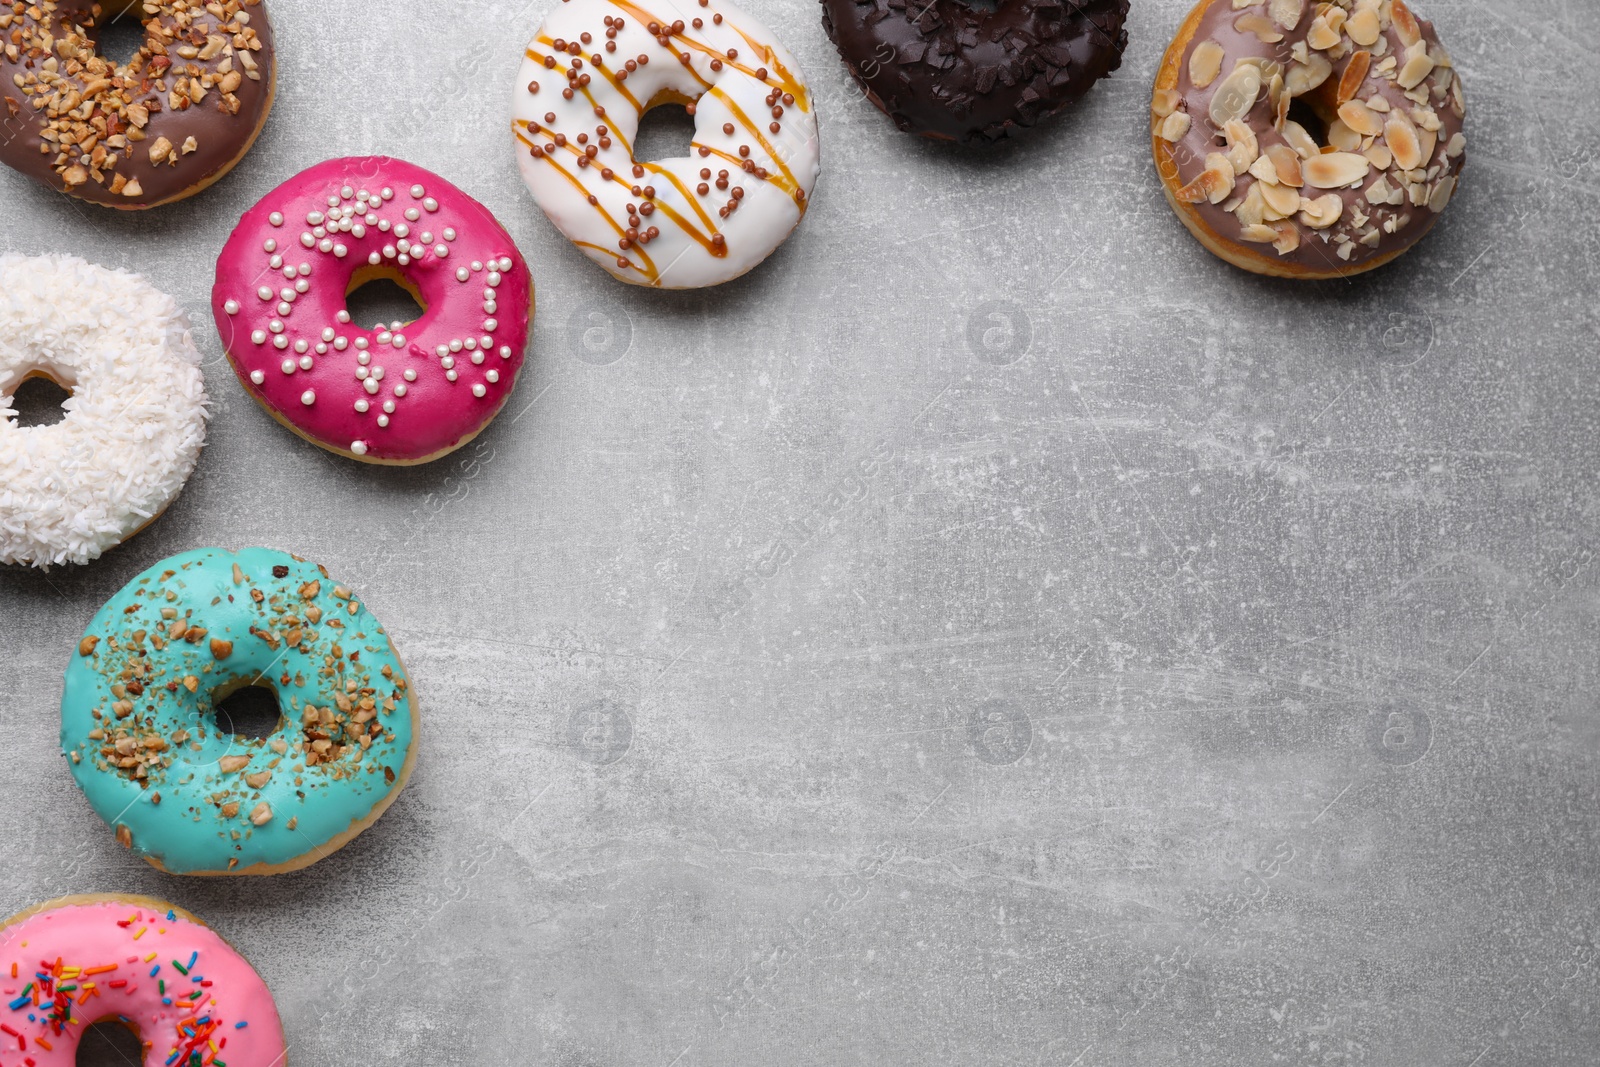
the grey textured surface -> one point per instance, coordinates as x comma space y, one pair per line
1139, 663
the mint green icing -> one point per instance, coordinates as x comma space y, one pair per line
137, 724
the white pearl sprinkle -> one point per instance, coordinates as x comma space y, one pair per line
346, 192
276, 218
370, 385
265, 292
427, 237
341, 343
400, 390
371, 219
447, 362
494, 280
387, 193
340, 251
377, 373
361, 343
287, 366
301, 346
321, 349
306, 363
383, 337
308, 398
478, 389
289, 272
431, 204
476, 266
450, 375
505, 351
413, 214
477, 357
308, 240
259, 337
333, 201
284, 307
404, 259
257, 377
416, 192
361, 374
383, 421
455, 345
315, 218
493, 376
388, 251
275, 262
325, 245
327, 333
231, 307
280, 341
276, 326
388, 405
462, 274
402, 230
490, 324
442, 251
342, 315
374, 259
305, 270
399, 340
269, 245
358, 447
362, 405
449, 233
409, 375
486, 343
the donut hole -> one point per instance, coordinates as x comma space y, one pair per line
110, 1043
38, 401
121, 35
249, 710
384, 297
666, 130
1308, 115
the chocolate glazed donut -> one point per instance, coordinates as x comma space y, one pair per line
163, 126
951, 71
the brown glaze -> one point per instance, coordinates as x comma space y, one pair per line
1370, 230
197, 76
946, 70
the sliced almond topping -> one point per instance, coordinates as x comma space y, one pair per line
1405, 23
1416, 68
1401, 137
1334, 170
1361, 118
1174, 126
1287, 13
1287, 164
1237, 95
1321, 36
1260, 234
1265, 29
1363, 27
1304, 77
1165, 102
262, 814
1442, 194
233, 764
1283, 200
1214, 184
1252, 211
1288, 238
1456, 146
1243, 146
1262, 170
1354, 76
257, 780
1205, 63
1299, 140
1380, 156
1322, 212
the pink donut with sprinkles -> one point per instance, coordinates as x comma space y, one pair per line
391, 394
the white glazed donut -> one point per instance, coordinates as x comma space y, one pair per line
135, 421
595, 66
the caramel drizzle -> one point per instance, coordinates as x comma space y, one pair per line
774, 179
785, 78
647, 268
738, 113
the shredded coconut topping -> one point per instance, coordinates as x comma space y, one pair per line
135, 421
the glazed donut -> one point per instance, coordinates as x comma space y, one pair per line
399, 394
142, 689
949, 71
163, 126
595, 67
192, 1000
135, 422
1267, 194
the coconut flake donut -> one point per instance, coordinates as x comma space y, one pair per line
156, 129
1265, 193
397, 394
135, 422
595, 67
190, 997
141, 694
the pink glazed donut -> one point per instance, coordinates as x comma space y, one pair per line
400, 396
156, 969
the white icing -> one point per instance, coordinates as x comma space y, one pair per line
135, 422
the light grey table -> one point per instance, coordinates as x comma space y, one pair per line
1137, 662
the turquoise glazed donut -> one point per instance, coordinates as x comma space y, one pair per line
137, 723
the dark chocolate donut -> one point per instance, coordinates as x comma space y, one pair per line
163, 126
951, 71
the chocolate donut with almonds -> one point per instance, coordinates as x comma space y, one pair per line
1308, 140
950, 71
156, 129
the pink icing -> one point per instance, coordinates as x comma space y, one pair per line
64, 946
414, 393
